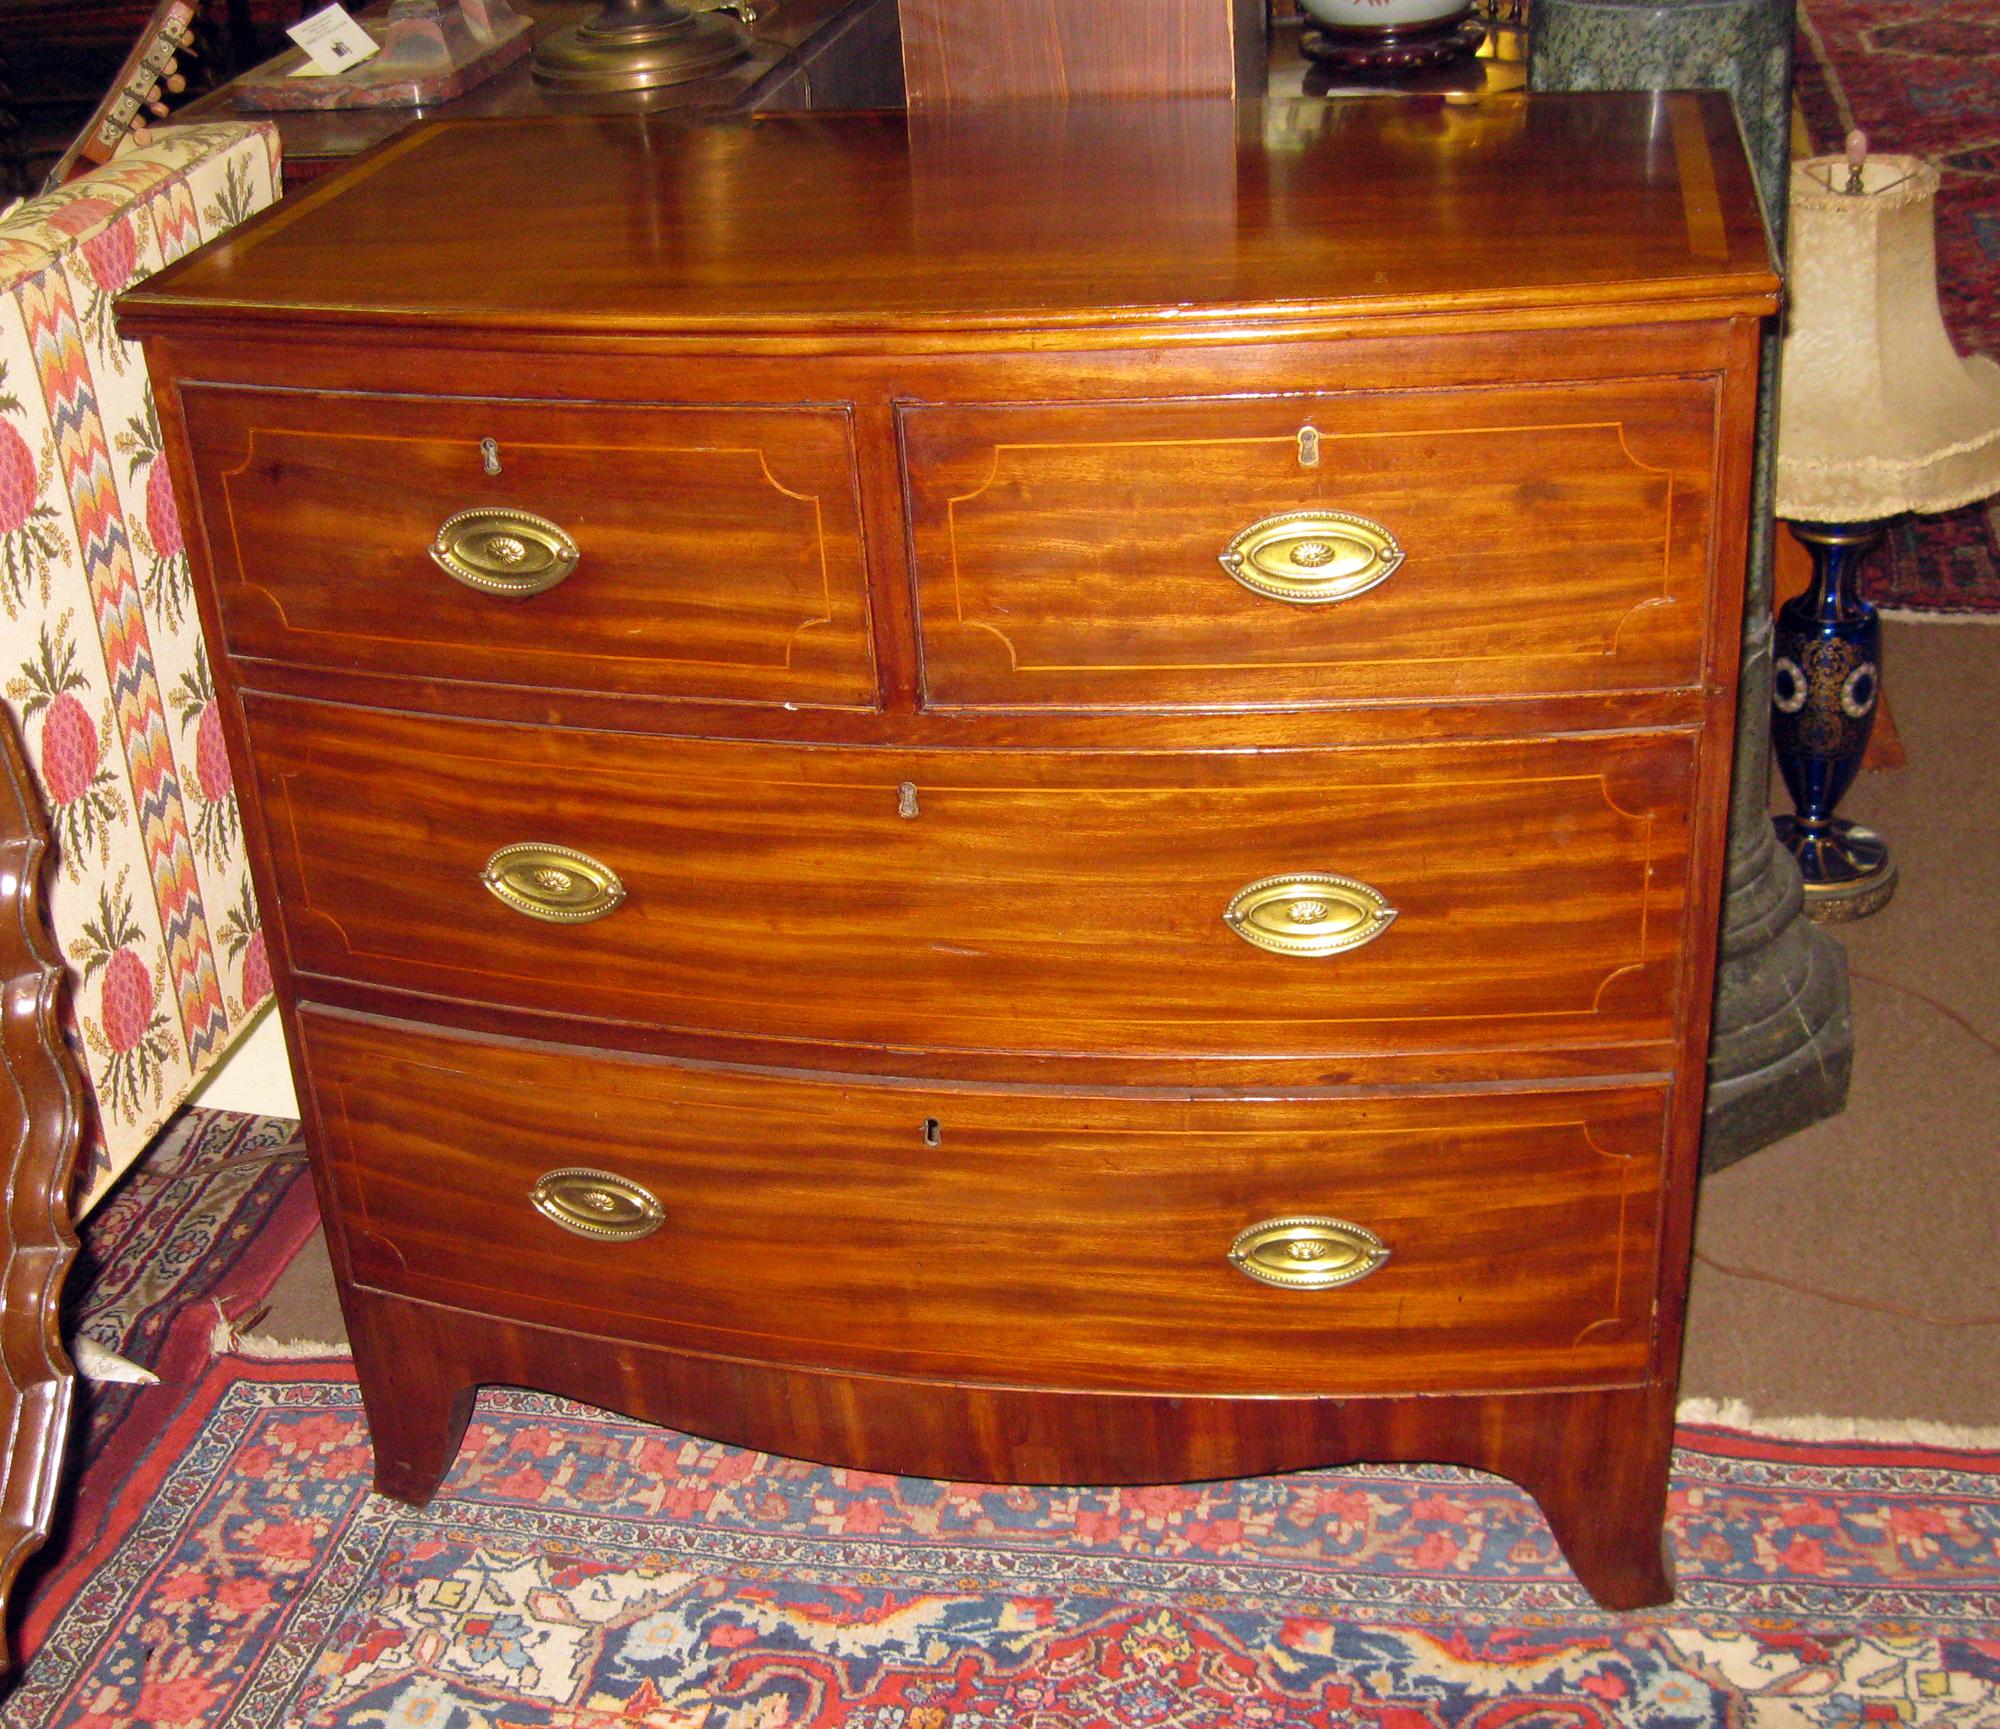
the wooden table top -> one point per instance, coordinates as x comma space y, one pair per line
788, 67
1196, 214
820, 54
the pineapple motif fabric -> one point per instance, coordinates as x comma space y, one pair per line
102, 662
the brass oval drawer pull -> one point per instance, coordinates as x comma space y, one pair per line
597, 1204
501, 551
1311, 557
556, 883
1308, 913
1307, 1254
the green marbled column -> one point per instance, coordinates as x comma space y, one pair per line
1783, 1040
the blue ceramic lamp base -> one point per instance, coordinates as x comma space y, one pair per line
1825, 687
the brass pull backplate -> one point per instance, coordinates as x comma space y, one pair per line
597, 1204
1311, 557
1308, 913
555, 883
501, 551
1306, 1253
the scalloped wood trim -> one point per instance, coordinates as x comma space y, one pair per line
41, 1118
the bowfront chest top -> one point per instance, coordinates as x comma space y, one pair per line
1031, 795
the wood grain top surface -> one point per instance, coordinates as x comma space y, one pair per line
1183, 215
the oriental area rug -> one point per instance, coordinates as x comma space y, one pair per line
225, 1564
581, 1570
197, 1232
1922, 77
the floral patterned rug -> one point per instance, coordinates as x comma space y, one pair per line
1923, 76
584, 1571
226, 1564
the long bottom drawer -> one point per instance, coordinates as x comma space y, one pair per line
1438, 1241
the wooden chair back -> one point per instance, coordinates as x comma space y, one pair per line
958, 52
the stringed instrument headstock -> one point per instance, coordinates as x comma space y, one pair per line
150, 74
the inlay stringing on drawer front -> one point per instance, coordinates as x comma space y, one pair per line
713, 552
1535, 888
1085, 1240
1544, 540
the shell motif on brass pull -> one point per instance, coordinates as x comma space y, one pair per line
555, 883
1307, 1253
1312, 557
597, 1204
1308, 913
502, 551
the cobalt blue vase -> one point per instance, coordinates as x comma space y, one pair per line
1825, 686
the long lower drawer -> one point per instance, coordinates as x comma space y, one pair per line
1431, 1242
1518, 896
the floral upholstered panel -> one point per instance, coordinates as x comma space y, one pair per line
101, 655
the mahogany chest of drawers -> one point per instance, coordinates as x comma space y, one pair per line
1031, 796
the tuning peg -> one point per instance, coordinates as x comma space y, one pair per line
141, 135
159, 108
188, 48
152, 96
175, 82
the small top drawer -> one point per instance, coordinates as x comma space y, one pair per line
1417, 545
696, 552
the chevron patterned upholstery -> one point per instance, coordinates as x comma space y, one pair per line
102, 661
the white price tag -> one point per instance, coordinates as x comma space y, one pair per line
332, 40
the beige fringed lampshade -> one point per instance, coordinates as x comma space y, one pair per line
1878, 414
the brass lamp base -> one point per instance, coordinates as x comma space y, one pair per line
1848, 870
640, 45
